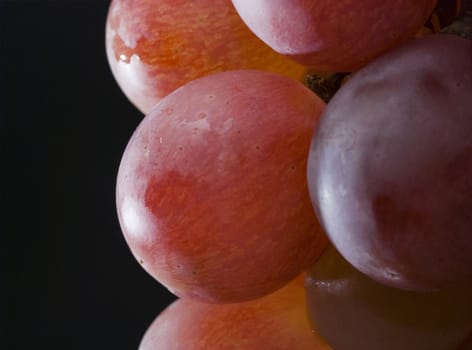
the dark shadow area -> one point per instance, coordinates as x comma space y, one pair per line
68, 280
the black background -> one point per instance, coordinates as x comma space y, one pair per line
68, 280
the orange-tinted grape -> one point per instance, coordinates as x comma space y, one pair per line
333, 35
276, 322
156, 46
211, 192
390, 166
353, 312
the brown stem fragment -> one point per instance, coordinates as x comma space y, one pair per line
462, 25
325, 86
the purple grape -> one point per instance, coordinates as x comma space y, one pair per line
390, 166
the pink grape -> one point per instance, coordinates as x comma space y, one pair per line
211, 192
333, 35
156, 46
276, 322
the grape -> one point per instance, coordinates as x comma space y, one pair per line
333, 35
353, 312
211, 191
275, 322
390, 166
156, 46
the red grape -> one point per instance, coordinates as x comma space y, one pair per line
352, 312
156, 46
211, 192
333, 35
276, 322
390, 166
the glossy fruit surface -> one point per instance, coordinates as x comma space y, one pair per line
353, 312
390, 166
211, 191
276, 322
333, 35
156, 46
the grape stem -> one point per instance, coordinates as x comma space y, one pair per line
325, 86
462, 25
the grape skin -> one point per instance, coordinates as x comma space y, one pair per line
333, 35
155, 46
276, 322
390, 166
211, 191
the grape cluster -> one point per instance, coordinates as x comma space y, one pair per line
302, 178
